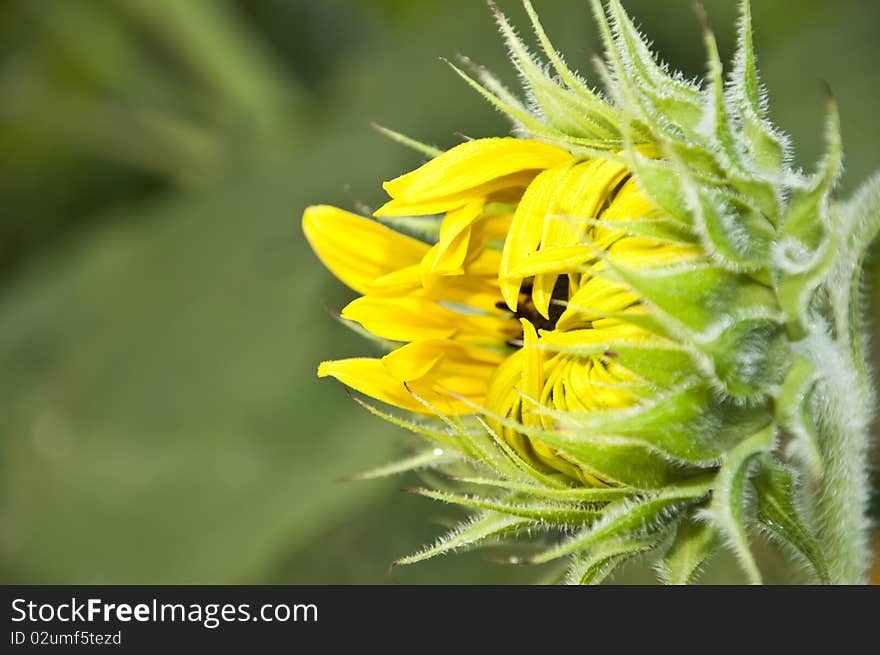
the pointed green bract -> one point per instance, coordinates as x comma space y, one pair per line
794, 413
562, 514
426, 459
781, 515
690, 426
418, 146
694, 543
482, 528
592, 566
632, 519
728, 509
579, 494
700, 297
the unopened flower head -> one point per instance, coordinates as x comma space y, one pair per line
606, 321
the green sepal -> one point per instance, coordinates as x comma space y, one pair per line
691, 158
716, 102
569, 113
728, 507
751, 357
661, 182
794, 414
695, 541
620, 461
692, 426
438, 437
556, 514
664, 368
479, 443
628, 461
860, 222
795, 290
599, 106
662, 364
424, 148
571, 494
806, 217
808, 242
735, 234
631, 519
660, 229
657, 93
636, 52
426, 459
700, 297
477, 531
781, 516
531, 474
767, 148
510, 107
594, 565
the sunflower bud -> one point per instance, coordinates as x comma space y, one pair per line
604, 323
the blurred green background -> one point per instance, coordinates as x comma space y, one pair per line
161, 316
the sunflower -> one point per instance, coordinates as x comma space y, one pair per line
615, 320
493, 315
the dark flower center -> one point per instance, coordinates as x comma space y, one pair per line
526, 307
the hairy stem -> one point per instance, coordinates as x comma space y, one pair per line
841, 499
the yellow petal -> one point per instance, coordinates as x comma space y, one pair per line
418, 318
639, 252
414, 361
550, 217
589, 187
558, 259
512, 184
409, 318
533, 374
371, 378
491, 227
596, 297
356, 249
542, 292
630, 204
472, 164
397, 283
430, 369
442, 359
448, 256
526, 229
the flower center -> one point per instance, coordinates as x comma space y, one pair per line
526, 307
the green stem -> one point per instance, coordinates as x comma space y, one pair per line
844, 398
842, 494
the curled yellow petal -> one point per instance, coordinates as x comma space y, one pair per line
358, 250
449, 255
526, 229
472, 164
507, 185
547, 236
